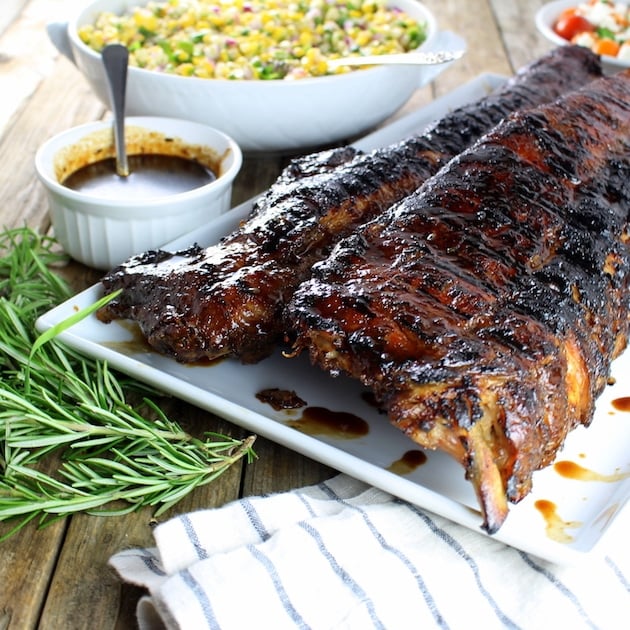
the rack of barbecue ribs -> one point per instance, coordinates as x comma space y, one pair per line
229, 299
485, 309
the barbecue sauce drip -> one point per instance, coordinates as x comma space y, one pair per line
571, 470
137, 344
151, 175
280, 398
408, 462
622, 404
555, 525
336, 424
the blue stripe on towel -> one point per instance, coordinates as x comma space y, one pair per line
455, 546
330, 493
285, 600
254, 519
151, 562
559, 585
428, 598
617, 571
201, 597
345, 577
306, 504
191, 533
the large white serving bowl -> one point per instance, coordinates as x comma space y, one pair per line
547, 16
271, 115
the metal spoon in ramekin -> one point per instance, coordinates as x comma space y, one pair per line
115, 60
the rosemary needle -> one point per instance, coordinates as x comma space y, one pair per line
70, 439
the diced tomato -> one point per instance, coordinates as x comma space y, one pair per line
608, 47
569, 25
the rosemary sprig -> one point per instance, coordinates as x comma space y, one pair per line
61, 410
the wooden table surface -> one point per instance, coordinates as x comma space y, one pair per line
57, 577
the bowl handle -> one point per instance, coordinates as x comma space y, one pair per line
442, 40
58, 34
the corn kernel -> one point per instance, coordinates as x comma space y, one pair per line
253, 39
145, 19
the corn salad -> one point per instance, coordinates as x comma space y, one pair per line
254, 39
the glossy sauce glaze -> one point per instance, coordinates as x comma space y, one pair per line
151, 175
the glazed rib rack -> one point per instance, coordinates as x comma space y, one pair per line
485, 309
229, 299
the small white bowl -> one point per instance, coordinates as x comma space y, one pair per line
103, 233
545, 19
275, 115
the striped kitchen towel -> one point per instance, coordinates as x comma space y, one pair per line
345, 555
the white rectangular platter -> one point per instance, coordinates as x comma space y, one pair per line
579, 508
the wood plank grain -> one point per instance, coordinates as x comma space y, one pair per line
485, 49
11, 9
82, 581
26, 54
256, 175
61, 101
28, 561
29, 557
516, 23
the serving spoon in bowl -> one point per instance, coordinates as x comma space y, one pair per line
406, 59
116, 60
